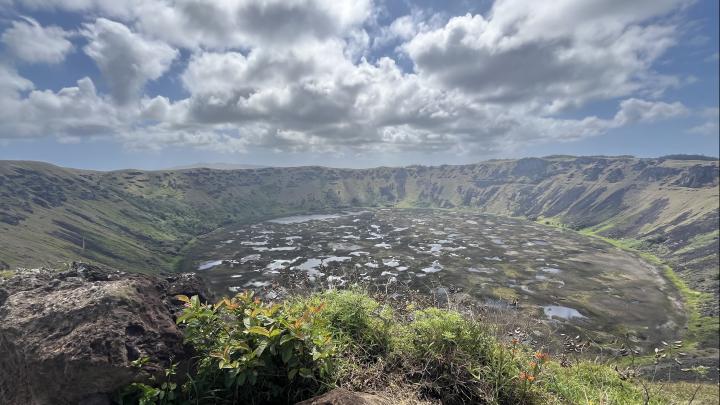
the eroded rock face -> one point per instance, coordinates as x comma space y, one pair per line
69, 337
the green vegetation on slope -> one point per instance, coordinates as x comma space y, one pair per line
140, 220
255, 352
702, 330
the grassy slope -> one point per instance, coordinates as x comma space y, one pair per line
446, 336
140, 221
404, 351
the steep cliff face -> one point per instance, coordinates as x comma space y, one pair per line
138, 220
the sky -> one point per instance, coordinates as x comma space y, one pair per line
151, 84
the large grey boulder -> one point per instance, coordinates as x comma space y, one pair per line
69, 337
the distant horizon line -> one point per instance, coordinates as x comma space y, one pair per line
203, 165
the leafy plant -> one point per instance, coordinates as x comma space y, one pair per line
165, 393
250, 351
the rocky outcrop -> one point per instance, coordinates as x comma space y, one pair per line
69, 337
699, 176
340, 396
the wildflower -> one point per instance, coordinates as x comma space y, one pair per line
531, 377
523, 376
533, 364
542, 357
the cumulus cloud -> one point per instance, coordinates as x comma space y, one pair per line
406, 27
111, 8
711, 126
69, 113
126, 60
549, 57
634, 111
223, 24
298, 75
27, 40
706, 128
11, 82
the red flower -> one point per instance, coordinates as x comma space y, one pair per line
542, 356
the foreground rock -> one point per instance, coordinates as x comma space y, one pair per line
69, 337
340, 396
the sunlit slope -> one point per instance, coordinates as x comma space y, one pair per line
138, 220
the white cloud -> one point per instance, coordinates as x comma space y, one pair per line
224, 24
642, 111
68, 113
111, 8
706, 128
367, 107
549, 57
221, 73
406, 27
711, 126
11, 82
126, 60
27, 40
295, 75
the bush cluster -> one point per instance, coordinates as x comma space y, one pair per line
252, 352
247, 352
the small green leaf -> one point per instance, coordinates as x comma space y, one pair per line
286, 354
261, 348
241, 378
240, 345
286, 339
258, 330
184, 317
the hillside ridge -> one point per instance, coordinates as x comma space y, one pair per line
140, 220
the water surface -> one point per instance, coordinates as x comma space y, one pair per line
557, 275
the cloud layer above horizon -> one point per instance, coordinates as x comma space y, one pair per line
335, 75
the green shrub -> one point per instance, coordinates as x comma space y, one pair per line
159, 393
356, 320
460, 359
254, 353
588, 382
250, 352
437, 333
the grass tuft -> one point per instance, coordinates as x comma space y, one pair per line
256, 352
